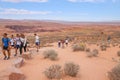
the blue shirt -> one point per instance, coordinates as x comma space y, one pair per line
5, 42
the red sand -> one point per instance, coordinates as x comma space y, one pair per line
95, 68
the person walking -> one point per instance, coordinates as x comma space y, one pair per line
62, 42
59, 43
6, 46
17, 44
23, 43
24, 40
37, 41
66, 42
109, 39
12, 41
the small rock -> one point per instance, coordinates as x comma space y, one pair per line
19, 62
16, 76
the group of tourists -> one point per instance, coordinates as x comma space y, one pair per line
18, 43
62, 43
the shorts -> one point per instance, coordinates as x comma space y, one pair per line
66, 43
37, 43
5, 48
12, 45
17, 46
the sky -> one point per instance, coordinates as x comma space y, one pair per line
64, 10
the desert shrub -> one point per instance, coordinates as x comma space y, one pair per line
71, 69
118, 53
97, 44
113, 45
95, 52
87, 49
114, 74
51, 54
78, 47
53, 72
103, 47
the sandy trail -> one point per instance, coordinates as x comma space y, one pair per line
95, 68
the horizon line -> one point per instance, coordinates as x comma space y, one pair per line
61, 20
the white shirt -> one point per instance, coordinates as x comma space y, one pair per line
66, 41
18, 42
12, 41
37, 39
23, 40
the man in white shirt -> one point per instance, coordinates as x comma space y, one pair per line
37, 41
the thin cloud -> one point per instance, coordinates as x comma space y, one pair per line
92, 1
22, 12
17, 1
86, 0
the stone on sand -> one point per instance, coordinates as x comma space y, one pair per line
18, 62
16, 76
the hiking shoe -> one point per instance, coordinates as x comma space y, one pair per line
8, 58
5, 57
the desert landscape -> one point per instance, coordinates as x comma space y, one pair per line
88, 55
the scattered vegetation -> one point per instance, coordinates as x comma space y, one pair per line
97, 44
115, 73
71, 69
51, 54
87, 49
113, 44
78, 47
95, 52
56, 71
103, 47
53, 72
